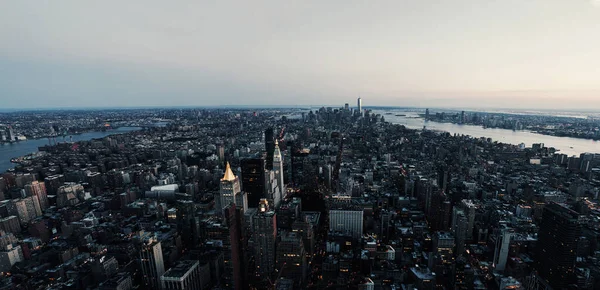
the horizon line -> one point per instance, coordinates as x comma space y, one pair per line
94, 108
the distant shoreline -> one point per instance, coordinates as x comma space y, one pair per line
57, 136
306, 107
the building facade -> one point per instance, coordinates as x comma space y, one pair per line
151, 260
264, 236
230, 191
254, 179
347, 222
557, 244
291, 257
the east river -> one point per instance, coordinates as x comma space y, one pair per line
566, 145
21, 148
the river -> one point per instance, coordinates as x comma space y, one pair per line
11, 150
566, 145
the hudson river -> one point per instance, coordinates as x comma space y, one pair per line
566, 145
17, 149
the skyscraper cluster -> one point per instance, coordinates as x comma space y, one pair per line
327, 198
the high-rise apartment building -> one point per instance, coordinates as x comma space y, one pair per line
38, 189
53, 182
10, 224
24, 208
10, 256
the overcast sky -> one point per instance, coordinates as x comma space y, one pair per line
427, 53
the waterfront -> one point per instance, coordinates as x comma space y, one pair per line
566, 145
11, 150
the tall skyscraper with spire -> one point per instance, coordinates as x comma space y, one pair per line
230, 191
278, 169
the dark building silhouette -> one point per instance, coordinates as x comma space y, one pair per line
253, 179
264, 236
233, 267
557, 245
291, 257
270, 148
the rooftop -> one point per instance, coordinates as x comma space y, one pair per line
422, 273
180, 271
228, 174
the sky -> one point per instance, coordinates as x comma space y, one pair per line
542, 54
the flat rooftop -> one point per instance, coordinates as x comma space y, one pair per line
182, 268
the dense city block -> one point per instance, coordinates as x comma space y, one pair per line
332, 198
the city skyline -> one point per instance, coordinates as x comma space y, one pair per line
334, 198
513, 54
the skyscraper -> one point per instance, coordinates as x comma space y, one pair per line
278, 169
230, 191
469, 208
151, 259
264, 235
359, 106
502, 248
269, 147
272, 190
459, 228
233, 255
253, 179
557, 244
